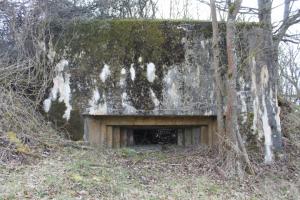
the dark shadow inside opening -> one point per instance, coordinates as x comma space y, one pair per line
147, 136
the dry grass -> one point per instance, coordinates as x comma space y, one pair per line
24, 134
73, 173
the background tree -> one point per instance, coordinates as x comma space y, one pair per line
289, 73
125, 8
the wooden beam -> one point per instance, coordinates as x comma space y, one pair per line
196, 135
86, 134
103, 135
93, 128
180, 137
109, 131
214, 132
188, 136
159, 121
130, 139
204, 135
210, 133
123, 133
116, 137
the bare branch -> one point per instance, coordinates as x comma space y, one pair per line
288, 21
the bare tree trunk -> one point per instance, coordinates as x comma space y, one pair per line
231, 109
264, 86
185, 9
171, 9
217, 69
232, 128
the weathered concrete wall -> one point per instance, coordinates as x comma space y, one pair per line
137, 67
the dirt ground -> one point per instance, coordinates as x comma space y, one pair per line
171, 173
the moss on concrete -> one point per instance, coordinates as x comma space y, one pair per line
88, 45
74, 126
122, 42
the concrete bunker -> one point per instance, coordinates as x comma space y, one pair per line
121, 80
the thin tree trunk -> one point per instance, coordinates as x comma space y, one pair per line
217, 69
232, 128
231, 112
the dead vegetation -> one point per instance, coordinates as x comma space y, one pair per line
175, 173
23, 131
77, 172
25, 74
290, 115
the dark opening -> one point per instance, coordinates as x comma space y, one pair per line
144, 136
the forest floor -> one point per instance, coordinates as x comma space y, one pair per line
175, 173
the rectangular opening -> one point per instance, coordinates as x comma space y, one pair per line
161, 135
